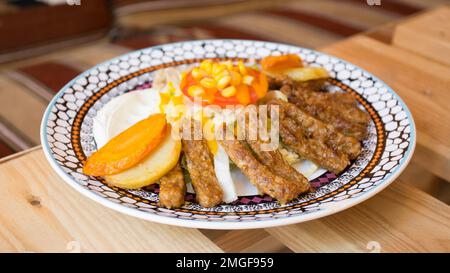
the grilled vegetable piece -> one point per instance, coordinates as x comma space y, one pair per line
301, 74
172, 188
259, 175
281, 62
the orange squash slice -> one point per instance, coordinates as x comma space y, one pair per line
128, 148
281, 62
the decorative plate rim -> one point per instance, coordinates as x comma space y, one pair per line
337, 206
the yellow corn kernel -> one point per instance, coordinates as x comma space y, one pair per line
206, 66
228, 65
198, 73
195, 91
177, 100
223, 82
229, 91
254, 67
213, 67
224, 66
171, 89
208, 83
164, 99
247, 80
236, 78
217, 68
242, 68
222, 74
212, 145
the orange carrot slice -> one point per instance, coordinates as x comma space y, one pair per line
261, 85
128, 148
281, 62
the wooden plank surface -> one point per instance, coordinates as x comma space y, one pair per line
246, 241
399, 219
421, 83
427, 35
41, 213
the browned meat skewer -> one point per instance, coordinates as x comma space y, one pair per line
172, 188
276, 82
346, 118
328, 108
311, 149
314, 128
337, 109
201, 169
275, 162
259, 175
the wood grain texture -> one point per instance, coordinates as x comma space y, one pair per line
279, 29
19, 154
427, 35
145, 18
24, 116
345, 11
246, 241
399, 219
41, 213
420, 178
421, 83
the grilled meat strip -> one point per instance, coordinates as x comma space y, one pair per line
172, 188
331, 108
338, 109
201, 170
259, 175
277, 164
276, 82
311, 149
275, 161
314, 128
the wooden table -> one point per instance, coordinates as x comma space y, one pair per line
40, 213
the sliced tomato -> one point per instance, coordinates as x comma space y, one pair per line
244, 96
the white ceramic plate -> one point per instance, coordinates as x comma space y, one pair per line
66, 135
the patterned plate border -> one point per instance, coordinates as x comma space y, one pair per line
302, 211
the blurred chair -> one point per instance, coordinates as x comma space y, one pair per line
29, 28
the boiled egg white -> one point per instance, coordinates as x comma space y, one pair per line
122, 112
305, 167
223, 175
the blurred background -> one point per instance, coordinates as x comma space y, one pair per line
46, 43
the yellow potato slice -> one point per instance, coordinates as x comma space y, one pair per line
302, 74
151, 168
